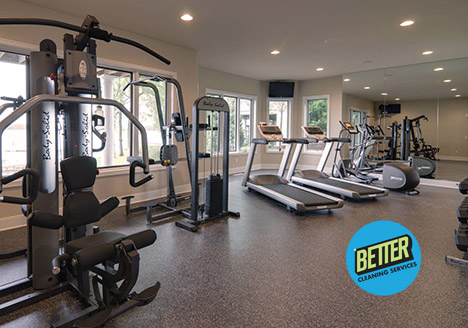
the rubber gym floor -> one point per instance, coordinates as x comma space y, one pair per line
270, 268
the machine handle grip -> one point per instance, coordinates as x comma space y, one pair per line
134, 183
33, 188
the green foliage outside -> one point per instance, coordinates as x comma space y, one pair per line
317, 115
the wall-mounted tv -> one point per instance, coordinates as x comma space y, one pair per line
390, 108
281, 90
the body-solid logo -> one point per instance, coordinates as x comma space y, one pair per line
383, 258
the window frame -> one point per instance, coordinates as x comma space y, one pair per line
280, 148
18, 52
239, 96
21, 48
305, 109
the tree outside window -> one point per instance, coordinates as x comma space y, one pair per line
317, 115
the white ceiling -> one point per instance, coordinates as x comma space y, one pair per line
414, 82
237, 36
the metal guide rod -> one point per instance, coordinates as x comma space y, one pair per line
31, 103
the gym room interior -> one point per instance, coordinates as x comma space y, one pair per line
225, 163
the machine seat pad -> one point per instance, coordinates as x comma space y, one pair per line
95, 240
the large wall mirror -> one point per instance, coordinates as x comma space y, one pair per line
434, 99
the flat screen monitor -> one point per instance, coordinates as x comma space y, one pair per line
390, 108
281, 90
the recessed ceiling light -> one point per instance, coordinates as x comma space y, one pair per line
397, 99
275, 52
384, 94
346, 80
367, 88
427, 52
332, 41
447, 81
458, 96
438, 69
454, 89
186, 17
319, 69
407, 23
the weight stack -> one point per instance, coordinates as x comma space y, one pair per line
214, 192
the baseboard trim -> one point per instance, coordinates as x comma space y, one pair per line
453, 158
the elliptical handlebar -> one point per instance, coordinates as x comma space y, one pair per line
91, 31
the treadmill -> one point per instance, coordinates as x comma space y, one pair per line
296, 198
320, 180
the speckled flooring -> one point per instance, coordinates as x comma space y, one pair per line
270, 268
451, 170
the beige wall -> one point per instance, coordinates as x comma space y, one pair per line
352, 102
453, 124
184, 65
217, 80
317, 87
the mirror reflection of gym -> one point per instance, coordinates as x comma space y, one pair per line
432, 96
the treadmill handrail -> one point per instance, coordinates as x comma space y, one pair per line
30, 104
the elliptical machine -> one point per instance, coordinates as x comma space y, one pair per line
395, 176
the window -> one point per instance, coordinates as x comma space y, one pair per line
117, 126
316, 114
278, 114
13, 84
240, 121
148, 114
356, 118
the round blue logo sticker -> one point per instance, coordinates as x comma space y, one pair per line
383, 258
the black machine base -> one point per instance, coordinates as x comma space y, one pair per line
192, 225
92, 317
172, 210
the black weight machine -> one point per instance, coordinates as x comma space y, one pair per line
461, 233
412, 141
62, 92
217, 184
176, 128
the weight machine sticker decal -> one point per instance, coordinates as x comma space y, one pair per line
83, 70
383, 258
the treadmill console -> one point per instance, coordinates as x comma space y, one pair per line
270, 132
314, 132
349, 127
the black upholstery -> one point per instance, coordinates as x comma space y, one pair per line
78, 172
45, 220
92, 241
80, 208
143, 238
108, 205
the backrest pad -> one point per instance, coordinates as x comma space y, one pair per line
78, 172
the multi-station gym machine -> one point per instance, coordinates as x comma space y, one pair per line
173, 127
60, 90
